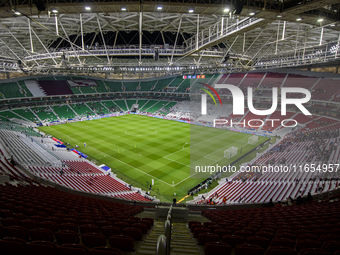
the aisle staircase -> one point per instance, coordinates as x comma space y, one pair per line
182, 243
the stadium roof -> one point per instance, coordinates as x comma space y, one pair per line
172, 37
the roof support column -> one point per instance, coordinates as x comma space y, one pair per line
173, 50
30, 33
140, 36
81, 32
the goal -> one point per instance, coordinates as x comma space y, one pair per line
253, 140
231, 152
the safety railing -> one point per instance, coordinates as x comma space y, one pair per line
164, 241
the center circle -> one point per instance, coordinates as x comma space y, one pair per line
140, 132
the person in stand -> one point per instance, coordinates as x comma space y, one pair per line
278, 204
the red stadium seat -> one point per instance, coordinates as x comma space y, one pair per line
245, 234
92, 240
258, 240
329, 237
19, 216
5, 213
121, 242
37, 218
9, 222
66, 236
103, 223
214, 227
122, 225
233, 229
281, 250
108, 231
203, 238
286, 235
41, 249
54, 219
105, 251
12, 246
307, 236
135, 233
88, 228
51, 225
222, 232
233, 240
72, 249
70, 220
331, 246
68, 226
314, 251
308, 244
246, 249
18, 232
146, 222
29, 223
212, 248
283, 242
196, 225
200, 230
42, 234
141, 226
150, 220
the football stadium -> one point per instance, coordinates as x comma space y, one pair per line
205, 127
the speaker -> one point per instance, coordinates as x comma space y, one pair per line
238, 7
226, 58
156, 55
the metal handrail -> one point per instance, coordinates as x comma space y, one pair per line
161, 245
164, 241
168, 236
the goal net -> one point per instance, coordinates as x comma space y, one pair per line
253, 140
231, 152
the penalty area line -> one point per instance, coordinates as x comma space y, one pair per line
134, 168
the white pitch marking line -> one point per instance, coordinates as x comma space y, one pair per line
135, 168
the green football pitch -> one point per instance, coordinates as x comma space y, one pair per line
141, 148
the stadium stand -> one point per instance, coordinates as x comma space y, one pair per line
190, 111
130, 103
234, 79
26, 113
131, 86
111, 106
147, 85
288, 230
45, 114
98, 108
11, 90
82, 110
121, 104
155, 107
56, 220
273, 80
252, 80
63, 112
114, 86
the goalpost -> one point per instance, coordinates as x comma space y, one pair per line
231, 152
253, 139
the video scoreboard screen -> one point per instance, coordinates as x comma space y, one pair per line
194, 76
